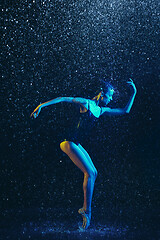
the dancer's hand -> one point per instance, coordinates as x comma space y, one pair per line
36, 111
132, 85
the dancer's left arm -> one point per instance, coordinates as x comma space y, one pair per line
127, 108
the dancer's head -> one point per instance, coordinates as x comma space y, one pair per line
105, 96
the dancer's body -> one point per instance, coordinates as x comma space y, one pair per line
79, 156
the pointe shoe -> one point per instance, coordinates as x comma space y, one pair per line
86, 220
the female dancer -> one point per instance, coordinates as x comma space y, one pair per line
95, 107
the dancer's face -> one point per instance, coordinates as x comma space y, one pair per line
108, 96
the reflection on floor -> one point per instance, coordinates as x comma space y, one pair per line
53, 224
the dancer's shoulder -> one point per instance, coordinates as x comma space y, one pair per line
94, 108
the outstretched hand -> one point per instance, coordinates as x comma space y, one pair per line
132, 85
36, 111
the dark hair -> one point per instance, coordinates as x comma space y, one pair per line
105, 86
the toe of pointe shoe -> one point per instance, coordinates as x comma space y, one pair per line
86, 222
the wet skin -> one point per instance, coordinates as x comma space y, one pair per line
77, 153
107, 97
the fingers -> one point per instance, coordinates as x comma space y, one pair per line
34, 114
132, 85
131, 82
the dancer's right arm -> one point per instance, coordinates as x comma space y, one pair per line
57, 100
37, 110
80, 101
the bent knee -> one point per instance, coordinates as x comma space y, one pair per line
96, 173
65, 146
92, 173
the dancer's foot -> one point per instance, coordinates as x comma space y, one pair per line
86, 218
81, 211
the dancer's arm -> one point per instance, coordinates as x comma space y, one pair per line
127, 108
78, 100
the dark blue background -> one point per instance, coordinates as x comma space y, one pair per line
64, 48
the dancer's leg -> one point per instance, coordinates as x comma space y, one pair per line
81, 161
88, 157
95, 170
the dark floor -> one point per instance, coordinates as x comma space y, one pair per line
56, 224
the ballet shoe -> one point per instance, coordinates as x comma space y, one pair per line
86, 219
